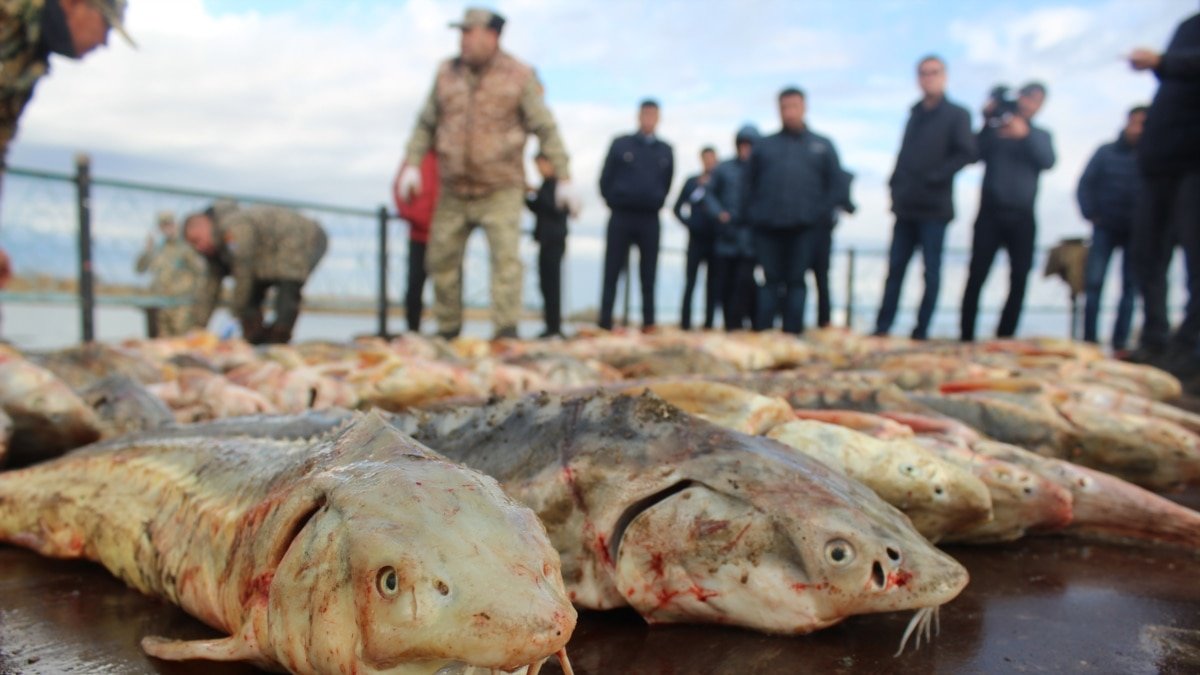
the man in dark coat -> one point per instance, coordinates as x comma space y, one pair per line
937, 143
634, 183
550, 232
1016, 153
734, 241
791, 190
1108, 193
1169, 157
689, 209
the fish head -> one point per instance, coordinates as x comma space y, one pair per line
777, 543
424, 560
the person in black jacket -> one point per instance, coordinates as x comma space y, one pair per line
634, 183
1108, 193
1016, 153
689, 209
1169, 157
550, 232
791, 190
734, 240
937, 143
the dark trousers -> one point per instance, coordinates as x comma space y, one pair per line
700, 249
1014, 230
1170, 216
550, 256
414, 302
1104, 243
821, 259
626, 229
739, 292
907, 235
786, 255
287, 310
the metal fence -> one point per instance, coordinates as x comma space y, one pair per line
90, 230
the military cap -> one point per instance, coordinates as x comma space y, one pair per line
475, 16
165, 217
114, 13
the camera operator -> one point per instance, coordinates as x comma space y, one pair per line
1015, 153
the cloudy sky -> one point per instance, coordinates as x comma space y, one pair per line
315, 100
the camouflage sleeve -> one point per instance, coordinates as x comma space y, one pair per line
539, 121
421, 139
208, 293
239, 239
143, 261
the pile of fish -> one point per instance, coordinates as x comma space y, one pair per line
756, 479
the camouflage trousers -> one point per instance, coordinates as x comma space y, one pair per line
172, 321
499, 214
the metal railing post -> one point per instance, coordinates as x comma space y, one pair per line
850, 255
383, 272
87, 293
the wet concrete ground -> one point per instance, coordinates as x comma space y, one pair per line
1045, 605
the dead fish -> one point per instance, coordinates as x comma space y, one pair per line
86, 364
358, 552
197, 395
668, 361
689, 522
48, 418
722, 404
1106, 508
876, 426
1117, 400
939, 497
295, 389
1020, 417
124, 406
5, 435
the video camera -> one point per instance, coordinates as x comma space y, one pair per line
1003, 107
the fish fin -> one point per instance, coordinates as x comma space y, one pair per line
233, 648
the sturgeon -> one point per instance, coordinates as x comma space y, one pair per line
48, 418
688, 522
359, 551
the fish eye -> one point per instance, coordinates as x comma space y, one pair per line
839, 552
386, 582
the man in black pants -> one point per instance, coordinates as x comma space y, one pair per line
1169, 157
734, 247
1015, 152
690, 210
550, 232
824, 247
792, 188
634, 183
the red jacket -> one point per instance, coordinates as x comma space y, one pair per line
419, 211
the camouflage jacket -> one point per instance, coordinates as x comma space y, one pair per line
175, 268
259, 243
478, 122
23, 59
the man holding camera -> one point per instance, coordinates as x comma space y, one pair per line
1015, 153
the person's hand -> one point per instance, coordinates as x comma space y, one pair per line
566, 197
150, 242
408, 184
1016, 128
1144, 59
724, 217
989, 107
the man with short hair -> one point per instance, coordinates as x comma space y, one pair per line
483, 107
1015, 153
689, 209
937, 144
550, 232
1108, 193
261, 247
176, 271
792, 186
30, 30
634, 182
734, 241
1169, 158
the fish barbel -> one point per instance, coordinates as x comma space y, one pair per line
357, 552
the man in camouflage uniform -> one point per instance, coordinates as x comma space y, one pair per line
260, 247
29, 31
483, 106
176, 271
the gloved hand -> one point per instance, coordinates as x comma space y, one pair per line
566, 197
408, 183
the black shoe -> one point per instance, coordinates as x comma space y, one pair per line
1145, 354
506, 333
449, 335
548, 334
